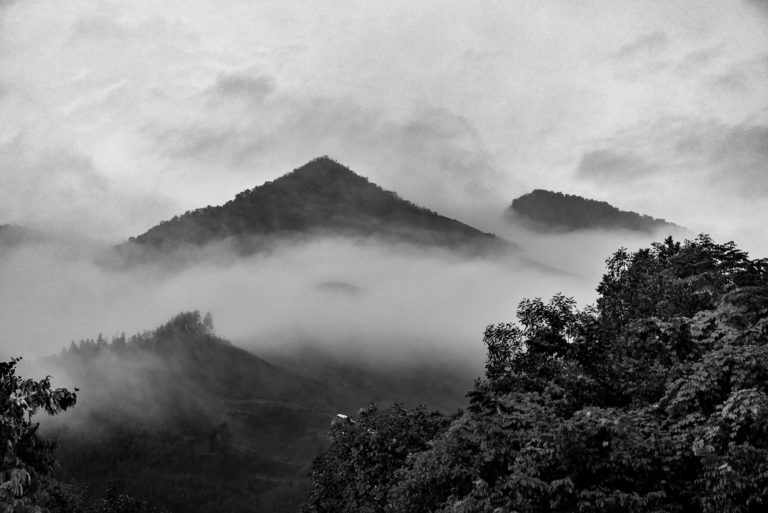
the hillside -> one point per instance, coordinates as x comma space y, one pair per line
187, 421
322, 197
554, 211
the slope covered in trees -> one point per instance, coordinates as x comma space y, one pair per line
321, 197
653, 399
555, 211
185, 420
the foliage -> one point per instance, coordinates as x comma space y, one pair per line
356, 473
25, 457
63, 498
654, 399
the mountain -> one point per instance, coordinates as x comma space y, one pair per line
185, 420
554, 211
322, 197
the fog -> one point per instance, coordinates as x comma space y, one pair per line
362, 296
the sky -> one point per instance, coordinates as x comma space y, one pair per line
116, 114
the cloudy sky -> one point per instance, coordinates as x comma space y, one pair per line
116, 114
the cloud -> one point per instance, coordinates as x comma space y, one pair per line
693, 164
744, 77
613, 166
407, 299
98, 27
239, 85
698, 60
53, 189
740, 156
647, 45
209, 143
728, 156
433, 157
731, 157
44, 177
442, 161
762, 5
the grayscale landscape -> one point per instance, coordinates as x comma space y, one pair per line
383, 257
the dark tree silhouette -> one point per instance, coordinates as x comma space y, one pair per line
654, 399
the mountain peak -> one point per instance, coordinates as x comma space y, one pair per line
319, 174
323, 167
320, 197
324, 163
548, 210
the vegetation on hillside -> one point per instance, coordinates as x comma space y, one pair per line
653, 399
322, 196
28, 464
185, 420
555, 211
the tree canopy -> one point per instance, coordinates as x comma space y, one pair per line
26, 458
653, 399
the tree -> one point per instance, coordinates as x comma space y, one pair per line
655, 399
25, 457
356, 473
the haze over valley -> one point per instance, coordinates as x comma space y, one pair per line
258, 236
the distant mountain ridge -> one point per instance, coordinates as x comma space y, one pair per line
321, 197
554, 211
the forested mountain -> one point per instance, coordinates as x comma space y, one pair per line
654, 399
179, 415
555, 211
322, 197
185, 420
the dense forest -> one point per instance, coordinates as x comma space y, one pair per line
653, 399
555, 211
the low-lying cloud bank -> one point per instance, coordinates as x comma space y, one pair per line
361, 296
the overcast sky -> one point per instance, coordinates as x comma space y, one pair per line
116, 114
